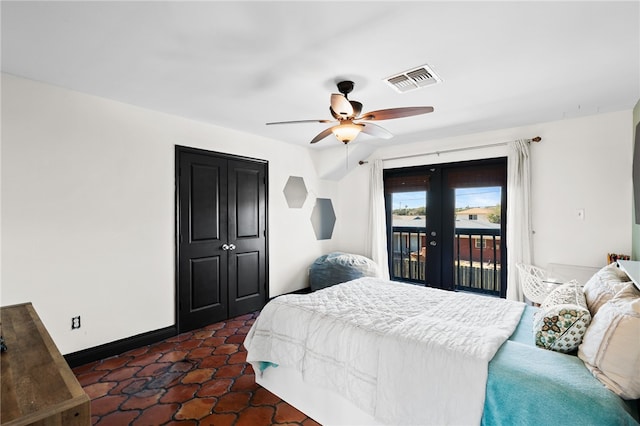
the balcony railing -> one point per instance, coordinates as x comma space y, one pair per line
476, 258
409, 253
477, 254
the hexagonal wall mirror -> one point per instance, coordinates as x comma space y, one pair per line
323, 218
295, 192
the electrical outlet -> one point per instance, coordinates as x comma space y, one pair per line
75, 322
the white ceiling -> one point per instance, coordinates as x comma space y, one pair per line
241, 64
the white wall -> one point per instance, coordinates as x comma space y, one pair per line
586, 164
88, 210
88, 199
581, 163
635, 227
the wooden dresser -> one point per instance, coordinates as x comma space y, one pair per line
38, 387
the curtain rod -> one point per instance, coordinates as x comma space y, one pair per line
535, 139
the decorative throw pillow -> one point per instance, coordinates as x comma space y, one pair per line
603, 286
562, 320
611, 346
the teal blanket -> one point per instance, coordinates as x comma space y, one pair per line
528, 385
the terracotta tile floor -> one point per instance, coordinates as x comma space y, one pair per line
195, 378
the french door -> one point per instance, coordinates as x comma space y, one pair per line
446, 225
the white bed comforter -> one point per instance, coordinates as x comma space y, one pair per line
402, 353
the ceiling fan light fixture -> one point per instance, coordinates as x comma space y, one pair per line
347, 132
346, 111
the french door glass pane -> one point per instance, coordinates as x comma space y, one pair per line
477, 243
409, 221
409, 208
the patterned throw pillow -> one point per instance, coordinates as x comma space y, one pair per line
560, 323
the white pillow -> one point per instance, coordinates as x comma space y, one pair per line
562, 319
611, 346
604, 284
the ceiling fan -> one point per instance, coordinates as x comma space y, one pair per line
347, 114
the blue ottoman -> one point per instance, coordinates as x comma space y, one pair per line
337, 267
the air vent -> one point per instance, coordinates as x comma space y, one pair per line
413, 79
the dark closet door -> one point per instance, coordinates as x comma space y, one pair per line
247, 237
221, 248
202, 263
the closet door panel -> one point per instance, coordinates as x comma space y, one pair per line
247, 203
205, 283
205, 206
247, 231
202, 262
248, 273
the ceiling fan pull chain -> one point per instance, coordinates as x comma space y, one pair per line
346, 145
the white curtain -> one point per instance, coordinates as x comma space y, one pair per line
518, 214
377, 238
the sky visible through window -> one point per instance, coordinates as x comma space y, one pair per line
477, 197
465, 197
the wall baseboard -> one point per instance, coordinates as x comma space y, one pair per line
107, 350
305, 290
118, 347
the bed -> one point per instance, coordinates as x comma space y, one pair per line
375, 352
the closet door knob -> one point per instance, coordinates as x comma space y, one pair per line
232, 246
225, 247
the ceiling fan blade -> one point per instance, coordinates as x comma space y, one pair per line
341, 105
388, 114
301, 121
323, 134
335, 114
357, 108
375, 130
